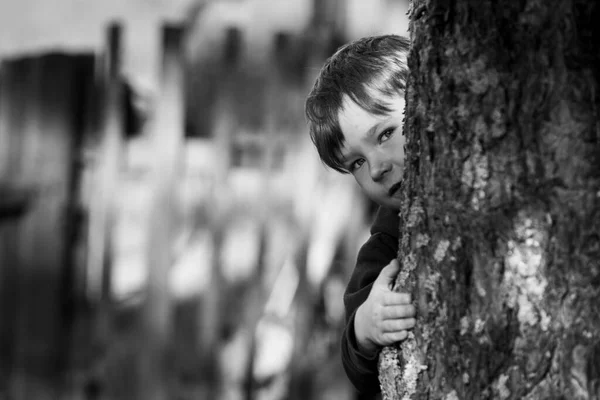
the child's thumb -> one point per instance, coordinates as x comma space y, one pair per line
389, 272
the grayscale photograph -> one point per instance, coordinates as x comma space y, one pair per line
299, 200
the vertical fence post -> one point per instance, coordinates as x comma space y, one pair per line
167, 138
43, 101
28, 265
107, 168
107, 165
11, 102
209, 321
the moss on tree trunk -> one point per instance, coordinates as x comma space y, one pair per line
500, 225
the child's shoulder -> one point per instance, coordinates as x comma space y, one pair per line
386, 221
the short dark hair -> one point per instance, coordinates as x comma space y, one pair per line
366, 70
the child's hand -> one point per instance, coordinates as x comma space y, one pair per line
386, 315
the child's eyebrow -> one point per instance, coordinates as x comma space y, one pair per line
372, 130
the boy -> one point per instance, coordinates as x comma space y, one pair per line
355, 113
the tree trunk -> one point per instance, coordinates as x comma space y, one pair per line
500, 241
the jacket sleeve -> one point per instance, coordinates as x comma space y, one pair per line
375, 254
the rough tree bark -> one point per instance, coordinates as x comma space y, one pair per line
500, 224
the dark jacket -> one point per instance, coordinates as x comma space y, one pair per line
376, 253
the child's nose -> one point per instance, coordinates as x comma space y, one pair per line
379, 169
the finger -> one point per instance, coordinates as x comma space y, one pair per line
395, 299
393, 337
395, 312
397, 325
389, 272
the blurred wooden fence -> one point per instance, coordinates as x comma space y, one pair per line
42, 113
68, 179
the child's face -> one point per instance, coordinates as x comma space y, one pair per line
374, 149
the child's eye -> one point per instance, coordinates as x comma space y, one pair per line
385, 135
357, 164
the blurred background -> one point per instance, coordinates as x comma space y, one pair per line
166, 228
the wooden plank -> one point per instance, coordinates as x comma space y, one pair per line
25, 126
43, 103
209, 317
12, 100
167, 135
107, 169
90, 278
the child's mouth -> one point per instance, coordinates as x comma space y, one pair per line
394, 189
